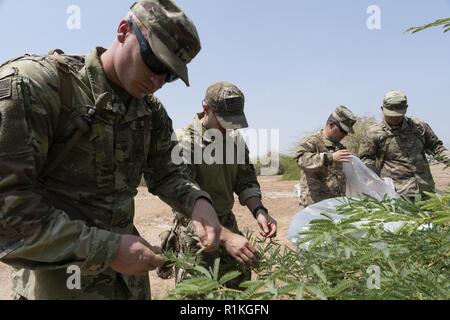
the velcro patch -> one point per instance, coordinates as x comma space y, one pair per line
8, 72
5, 88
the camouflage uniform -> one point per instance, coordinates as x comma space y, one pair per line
402, 151
75, 214
399, 152
321, 177
220, 180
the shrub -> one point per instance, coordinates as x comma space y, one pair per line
413, 262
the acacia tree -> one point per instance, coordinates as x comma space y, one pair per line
445, 23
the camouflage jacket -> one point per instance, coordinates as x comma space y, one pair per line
221, 180
400, 153
76, 213
321, 178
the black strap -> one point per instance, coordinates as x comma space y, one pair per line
80, 122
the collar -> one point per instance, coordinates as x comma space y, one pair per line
96, 79
199, 129
386, 127
203, 134
327, 140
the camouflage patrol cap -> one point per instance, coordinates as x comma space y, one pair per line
395, 104
345, 118
171, 34
227, 102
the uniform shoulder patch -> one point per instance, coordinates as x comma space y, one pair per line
5, 88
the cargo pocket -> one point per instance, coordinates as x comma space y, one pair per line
133, 139
140, 140
104, 155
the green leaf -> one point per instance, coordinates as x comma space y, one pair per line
317, 292
319, 273
444, 220
229, 276
300, 292
203, 271
216, 269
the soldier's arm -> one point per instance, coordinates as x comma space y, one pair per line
434, 146
171, 182
368, 152
187, 149
249, 192
33, 234
247, 185
308, 159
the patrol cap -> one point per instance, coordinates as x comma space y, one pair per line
345, 117
395, 104
227, 102
171, 34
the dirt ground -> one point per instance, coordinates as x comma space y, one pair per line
154, 217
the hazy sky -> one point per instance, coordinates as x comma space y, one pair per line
295, 60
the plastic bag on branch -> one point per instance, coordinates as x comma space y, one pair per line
360, 181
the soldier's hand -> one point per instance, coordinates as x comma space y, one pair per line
238, 247
342, 156
135, 257
267, 224
206, 224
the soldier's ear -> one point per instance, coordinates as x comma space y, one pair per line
205, 108
122, 31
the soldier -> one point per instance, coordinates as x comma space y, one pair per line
76, 135
320, 157
228, 171
397, 148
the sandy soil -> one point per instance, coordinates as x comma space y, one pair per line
154, 217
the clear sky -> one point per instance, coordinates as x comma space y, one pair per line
295, 60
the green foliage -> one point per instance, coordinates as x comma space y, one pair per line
353, 141
287, 166
265, 162
445, 23
290, 170
413, 260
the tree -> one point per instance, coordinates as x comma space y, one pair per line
359, 257
445, 23
353, 141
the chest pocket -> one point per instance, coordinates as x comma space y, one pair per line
132, 148
407, 145
90, 160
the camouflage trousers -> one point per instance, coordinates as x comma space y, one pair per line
186, 243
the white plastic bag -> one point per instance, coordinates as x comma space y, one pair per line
301, 220
360, 181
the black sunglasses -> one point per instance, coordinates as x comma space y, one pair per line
150, 59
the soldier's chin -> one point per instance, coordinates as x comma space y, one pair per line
140, 94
